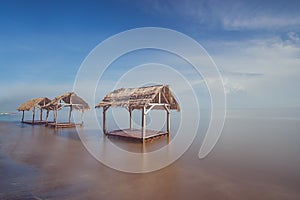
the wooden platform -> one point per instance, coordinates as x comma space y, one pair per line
136, 134
36, 122
62, 125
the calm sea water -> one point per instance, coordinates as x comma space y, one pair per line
256, 157
9, 117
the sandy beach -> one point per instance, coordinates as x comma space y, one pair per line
254, 159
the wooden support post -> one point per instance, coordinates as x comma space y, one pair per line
33, 114
22, 115
168, 119
47, 115
144, 122
82, 112
71, 102
104, 119
168, 122
130, 118
41, 114
70, 114
159, 97
56, 116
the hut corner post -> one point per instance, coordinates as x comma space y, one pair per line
144, 123
47, 115
168, 119
82, 113
22, 115
33, 113
130, 118
104, 118
168, 122
70, 112
41, 114
55, 116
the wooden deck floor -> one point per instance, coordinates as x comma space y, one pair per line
136, 134
62, 125
36, 122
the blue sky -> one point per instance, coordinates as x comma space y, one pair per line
256, 44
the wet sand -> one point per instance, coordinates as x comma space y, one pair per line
254, 159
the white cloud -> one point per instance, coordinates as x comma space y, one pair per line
294, 37
265, 70
232, 87
232, 14
258, 22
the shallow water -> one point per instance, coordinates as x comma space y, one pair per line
257, 157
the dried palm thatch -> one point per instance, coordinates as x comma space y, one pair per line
68, 99
137, 98
34, 103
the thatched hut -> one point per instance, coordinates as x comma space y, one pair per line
34, 104
157, 97
70, 100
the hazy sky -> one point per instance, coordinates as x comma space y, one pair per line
255, 44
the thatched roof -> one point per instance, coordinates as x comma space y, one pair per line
32, 103
68, 99
137, 98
